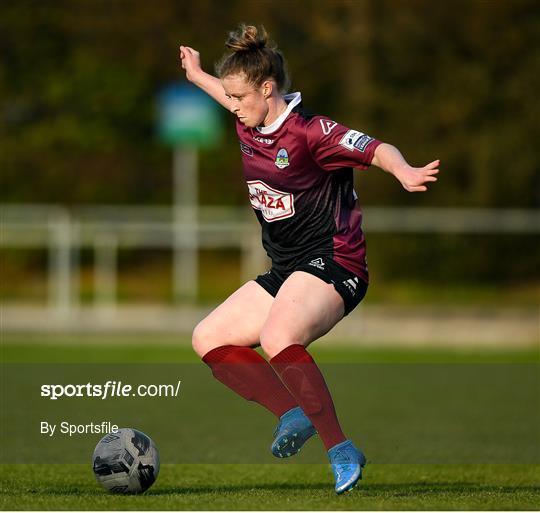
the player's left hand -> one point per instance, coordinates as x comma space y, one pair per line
414, 179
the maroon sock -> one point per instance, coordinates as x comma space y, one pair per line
248, 374
303, 378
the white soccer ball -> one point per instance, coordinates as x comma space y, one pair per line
126, 461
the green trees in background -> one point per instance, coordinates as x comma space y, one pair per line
454, 80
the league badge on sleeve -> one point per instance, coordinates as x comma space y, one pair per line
282, 158
355, 140
363, 142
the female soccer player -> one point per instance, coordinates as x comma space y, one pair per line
299, 174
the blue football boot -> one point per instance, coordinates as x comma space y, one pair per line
293, 431
347, 463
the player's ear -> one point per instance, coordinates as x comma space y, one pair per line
267, 88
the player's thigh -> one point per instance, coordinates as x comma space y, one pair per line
305, 308
237, 321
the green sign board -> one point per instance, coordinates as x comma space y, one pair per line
188, 116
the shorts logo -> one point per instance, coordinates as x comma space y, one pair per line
248, 150
282, 158
327, 125
351, 285
353, 139
317, 262
273, 204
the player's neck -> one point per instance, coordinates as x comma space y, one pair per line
277, 106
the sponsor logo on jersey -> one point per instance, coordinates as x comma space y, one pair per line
317, 262
282, 158
351, 285
327, 125
273, 204
263, 140
246, 148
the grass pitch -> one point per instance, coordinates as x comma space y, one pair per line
280, 486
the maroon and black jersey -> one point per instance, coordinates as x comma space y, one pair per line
299, 173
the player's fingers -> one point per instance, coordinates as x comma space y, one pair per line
187, 59
430, 179
434, 164
419, 188
184, 51
192, 51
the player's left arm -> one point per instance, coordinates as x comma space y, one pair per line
413, 179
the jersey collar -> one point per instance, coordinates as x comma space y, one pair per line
294, 99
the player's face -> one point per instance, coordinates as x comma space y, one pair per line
248, 103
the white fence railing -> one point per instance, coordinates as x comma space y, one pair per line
106, 229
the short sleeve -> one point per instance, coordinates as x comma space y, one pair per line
334, 146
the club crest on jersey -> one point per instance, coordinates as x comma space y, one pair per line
282, 158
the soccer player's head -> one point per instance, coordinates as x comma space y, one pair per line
253, 73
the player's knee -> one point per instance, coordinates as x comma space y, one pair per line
273, 341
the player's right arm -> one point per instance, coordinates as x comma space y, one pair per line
191, 62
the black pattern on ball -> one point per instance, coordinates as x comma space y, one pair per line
126, 461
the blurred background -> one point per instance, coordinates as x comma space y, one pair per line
109, 228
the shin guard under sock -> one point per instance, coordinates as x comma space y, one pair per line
300, 373
248, 374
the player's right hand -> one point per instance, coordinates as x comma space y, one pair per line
190, 61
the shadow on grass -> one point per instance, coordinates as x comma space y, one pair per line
416, 489
367, 490
187, 490
398, 490
242, 488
